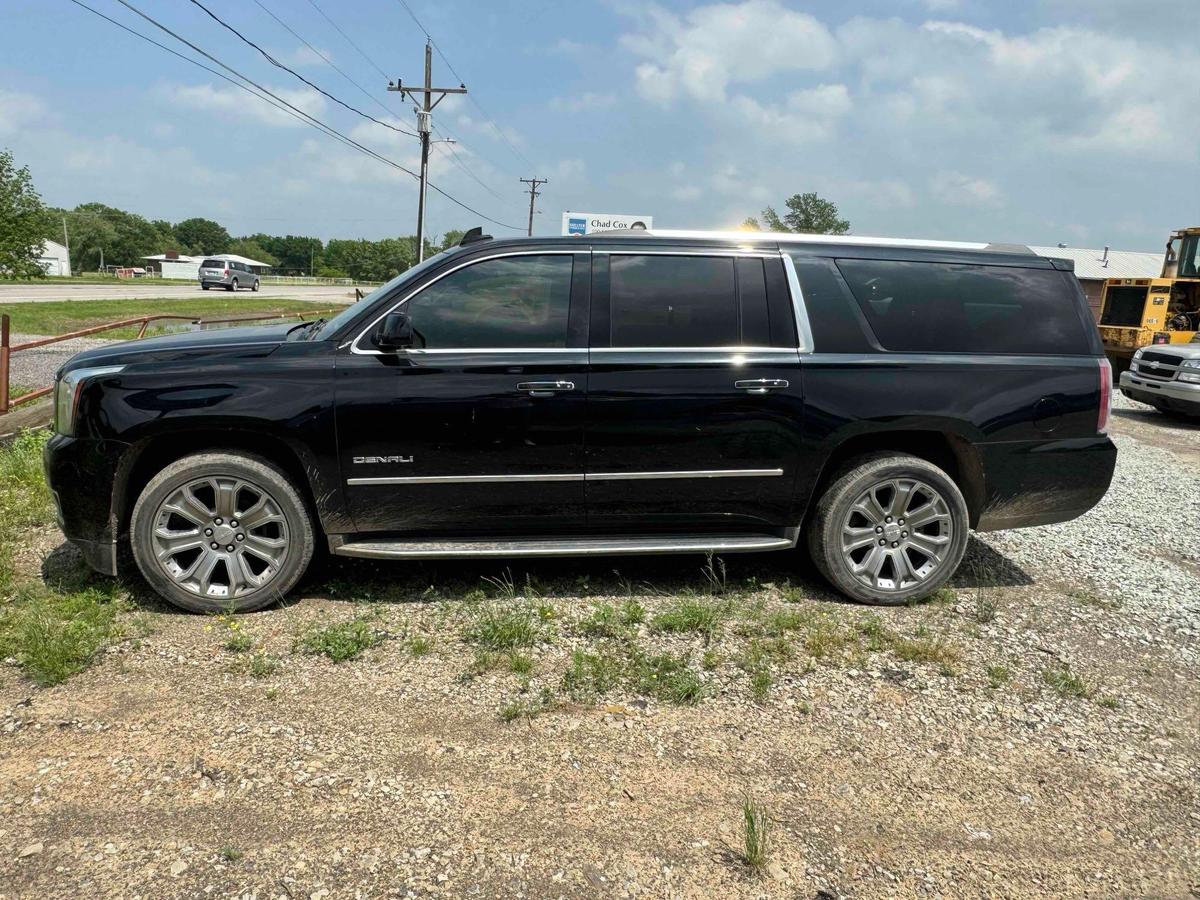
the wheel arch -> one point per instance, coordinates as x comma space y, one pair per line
150, 455
949, 451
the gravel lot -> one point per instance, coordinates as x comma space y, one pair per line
1032, 733
36, 367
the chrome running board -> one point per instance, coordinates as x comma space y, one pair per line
579, 546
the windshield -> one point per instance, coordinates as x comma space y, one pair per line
350, 312
1189, 257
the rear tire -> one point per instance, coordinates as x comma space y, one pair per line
891, 528
205, 287
232, 285
187, 519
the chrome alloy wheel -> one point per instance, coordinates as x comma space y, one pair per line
220, 537
897, 534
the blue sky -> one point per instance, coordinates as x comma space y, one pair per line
1033, 121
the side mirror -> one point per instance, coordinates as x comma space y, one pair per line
394, 332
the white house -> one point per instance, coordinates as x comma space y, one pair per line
54, 259
187, 268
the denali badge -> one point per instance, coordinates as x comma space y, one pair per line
382, 459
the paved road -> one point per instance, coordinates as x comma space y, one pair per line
44, 293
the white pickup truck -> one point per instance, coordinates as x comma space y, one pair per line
1166, 376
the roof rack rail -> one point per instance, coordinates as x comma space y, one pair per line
473, 236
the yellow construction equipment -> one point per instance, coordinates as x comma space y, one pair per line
1138, 312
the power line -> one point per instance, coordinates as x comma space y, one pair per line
290, 109
360, 50
273, 61
462, 165
483, 112
329, 62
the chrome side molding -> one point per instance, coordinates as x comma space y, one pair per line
573, 476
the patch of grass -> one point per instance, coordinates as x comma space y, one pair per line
231, 854
527, 707
690, 614
53, 635
710, 661
998, 675
73, 315
263, 665
825, 639
608, 621
520, 664
985, 607
756, 835
666, 677
928, 649
1066, 683
1108, 702
632, 613
715, 574
24, 498
592, 675
419, 645
504, 628
237, 638
760, 684
943, 596
343, 641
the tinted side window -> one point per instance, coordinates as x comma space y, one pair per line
672, 301
516, 301
944, 308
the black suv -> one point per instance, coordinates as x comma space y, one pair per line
658, 393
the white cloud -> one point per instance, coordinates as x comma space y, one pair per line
230, 101
18, 110
958, 189
701, 54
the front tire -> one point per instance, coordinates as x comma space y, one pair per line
890, 529
255, 284
221, 531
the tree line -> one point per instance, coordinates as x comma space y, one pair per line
98, 232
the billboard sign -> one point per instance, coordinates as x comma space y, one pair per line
580, 223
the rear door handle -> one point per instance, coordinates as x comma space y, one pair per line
761, 385
545, 388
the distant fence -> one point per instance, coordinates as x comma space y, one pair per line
7, 349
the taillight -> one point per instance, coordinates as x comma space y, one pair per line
226, 272
1105, 396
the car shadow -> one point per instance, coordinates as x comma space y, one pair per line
429, 581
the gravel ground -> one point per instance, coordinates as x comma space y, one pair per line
1141, 545
36, 367
1032, 733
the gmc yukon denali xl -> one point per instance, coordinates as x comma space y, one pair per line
613, 394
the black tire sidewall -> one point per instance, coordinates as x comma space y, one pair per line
824, 532
253, 468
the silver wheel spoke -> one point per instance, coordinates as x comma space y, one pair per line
876, 545
214, 557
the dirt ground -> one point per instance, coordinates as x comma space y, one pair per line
949, 757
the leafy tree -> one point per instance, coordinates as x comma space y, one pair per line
203, 236
252, 249
22, 221
451, 238
297, 255
120, 238
807, 214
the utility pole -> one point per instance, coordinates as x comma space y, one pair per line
424, 111
67, 242
533, 195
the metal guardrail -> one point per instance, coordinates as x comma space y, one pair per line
7, 348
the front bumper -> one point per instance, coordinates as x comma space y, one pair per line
1172, 395
82, 473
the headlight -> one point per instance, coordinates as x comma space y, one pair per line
1137, 354
66, 395
1189, 371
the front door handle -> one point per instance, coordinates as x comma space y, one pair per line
761, 385
545, 388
